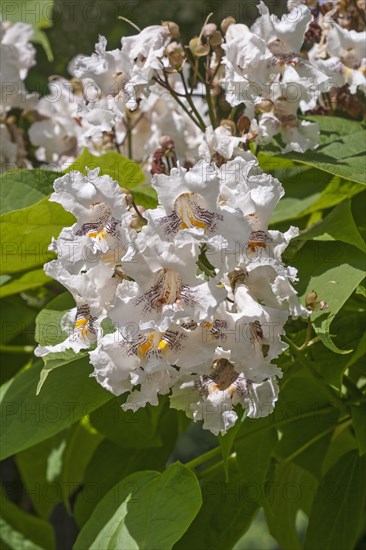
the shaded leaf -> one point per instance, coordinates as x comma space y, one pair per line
146, 510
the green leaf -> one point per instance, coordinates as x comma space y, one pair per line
120, 168
21, 530
111, 463
80, 438
227, 441
254, 457
145, 510
335, 192
16, 317
333, 270
304, 404
23, 188
337, 226
27, 233
343, 441
40, 468
337, 512
49, 332
26, 281
288, 491
145, 195
139, 429
359, 423
68, 395
227, 512
34, 12
341, 151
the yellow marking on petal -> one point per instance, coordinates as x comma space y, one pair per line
97, 234
197, 223
163, 346
144, 348
80, 323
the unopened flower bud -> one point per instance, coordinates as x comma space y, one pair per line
209, 29
166, 143
225, 24
173, 28
243, 125
216, 39
230, 125
197, 48
311, 298
129, 199
175, 55
265, 106
138, 221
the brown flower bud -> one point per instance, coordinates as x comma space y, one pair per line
209, 29
166, 142
311, 299
173, 28
265, 106
128, 198
197, 48
229, 124
225, 24
243, 125
176, 55
216, 39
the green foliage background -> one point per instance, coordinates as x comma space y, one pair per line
72, 450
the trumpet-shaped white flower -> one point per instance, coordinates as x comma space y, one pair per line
17, 57
212, 398
107, 69
81, 324
100, 208
57, 135
166, 287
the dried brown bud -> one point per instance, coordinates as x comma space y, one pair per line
311, 299
265, 106
229, 124
225, 24
166, 143
197, 48
216, 39
173, 28
209, 29
176, 55
128, 198
243, 125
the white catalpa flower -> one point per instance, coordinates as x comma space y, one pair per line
96, 286
221, 142
347, 62
100, 208
17, 57
107, 69
190, 203
166, 286
244, 186
145, 52
82, 325
285, 35
57, 134
130, 357
212, 398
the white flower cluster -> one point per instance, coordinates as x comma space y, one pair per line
198, 298
17, 57
127, 99
341, 54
